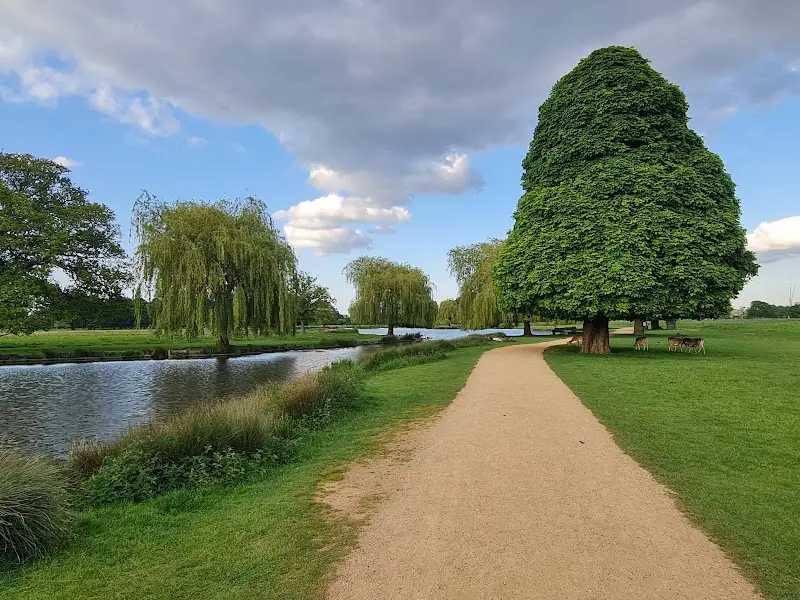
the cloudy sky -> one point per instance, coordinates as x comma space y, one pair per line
391, 127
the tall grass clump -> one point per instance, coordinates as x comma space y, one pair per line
406, 356
216, 443
35, 516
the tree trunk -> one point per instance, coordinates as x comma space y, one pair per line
526, 324
655, 324
302, 326
638, 327
595, 336
391, 329
225, 315
672, 324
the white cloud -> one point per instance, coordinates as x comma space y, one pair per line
322, 223
328, 241
389, 97
775, 240
151, 115
66, 162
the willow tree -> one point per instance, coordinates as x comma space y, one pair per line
390, 293
478, 307
219, 266
625, 213
447, 313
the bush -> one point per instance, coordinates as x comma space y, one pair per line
35, 518
86, 456
389, 339
402, 357
221, 442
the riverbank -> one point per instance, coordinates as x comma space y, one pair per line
124, 345
265, 539
720, 430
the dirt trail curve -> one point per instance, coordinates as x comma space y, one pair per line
517, 492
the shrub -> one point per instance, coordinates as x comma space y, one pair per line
220, 442
389, 339
35, 518
401, 357
86, 456
160, 354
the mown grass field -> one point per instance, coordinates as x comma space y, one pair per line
721, 430
267, 539
66, 344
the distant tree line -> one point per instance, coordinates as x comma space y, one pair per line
765, 310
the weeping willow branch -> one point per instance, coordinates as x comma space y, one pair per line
220, 266
389, 293
472, 268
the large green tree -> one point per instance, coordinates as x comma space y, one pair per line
219, 266
624, 212
390, 293
49, 227
479, 306
311, 300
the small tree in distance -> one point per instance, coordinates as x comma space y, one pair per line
390, 293
311, 301
625, 212
447, 314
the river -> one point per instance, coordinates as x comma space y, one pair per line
43, 408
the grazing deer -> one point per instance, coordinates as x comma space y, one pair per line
576, 339
640, 343
675, 343
695, 345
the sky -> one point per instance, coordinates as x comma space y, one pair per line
393, 128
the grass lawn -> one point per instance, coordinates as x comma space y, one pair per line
267, 539
59, 344
721, 430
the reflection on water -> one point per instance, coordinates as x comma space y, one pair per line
44, 408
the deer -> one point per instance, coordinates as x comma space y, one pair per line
675, 343
576, 339
694, 345
640, 343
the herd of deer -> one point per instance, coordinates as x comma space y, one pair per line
679, 342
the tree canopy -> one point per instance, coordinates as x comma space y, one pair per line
390, 293
311, 300
220, 266
624, 212
472, 267
447, 313
49, 226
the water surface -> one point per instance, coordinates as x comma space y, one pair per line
43, 408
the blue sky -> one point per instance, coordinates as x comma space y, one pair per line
380, 136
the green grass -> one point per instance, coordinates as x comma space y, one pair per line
267, 539
132, 342
721, 430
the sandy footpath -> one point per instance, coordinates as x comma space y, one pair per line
517, 491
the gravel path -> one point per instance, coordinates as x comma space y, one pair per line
517, 491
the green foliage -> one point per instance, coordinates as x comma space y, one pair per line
625, 213
221, 266
407, 355
47, 223
312, 302
473, 266
217, 443
35, 518
765, 310
447, 314
389, 293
